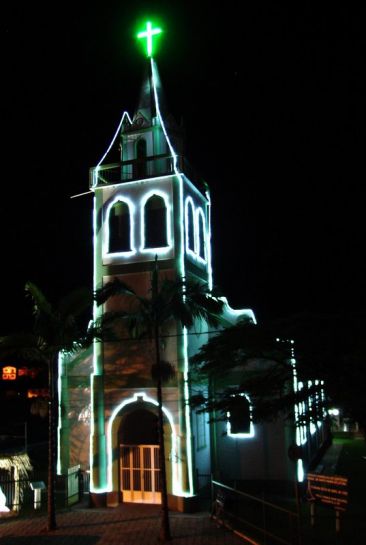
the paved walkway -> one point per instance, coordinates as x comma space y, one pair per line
128, 524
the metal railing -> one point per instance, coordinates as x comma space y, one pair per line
264, 522
70, 489
138, 169
17, 492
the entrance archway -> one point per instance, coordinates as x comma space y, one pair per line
140, 401
139, 457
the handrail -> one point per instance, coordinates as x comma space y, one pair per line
263, 502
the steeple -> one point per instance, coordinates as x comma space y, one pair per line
146, 105
151, 121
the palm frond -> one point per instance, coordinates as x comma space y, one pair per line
40, 302
25, 346
110, 289
163, 371
188, 301
75, 302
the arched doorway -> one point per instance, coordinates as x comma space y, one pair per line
139, 457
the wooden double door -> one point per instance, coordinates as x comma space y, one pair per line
140, 473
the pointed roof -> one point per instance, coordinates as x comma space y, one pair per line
150, 103
146, 105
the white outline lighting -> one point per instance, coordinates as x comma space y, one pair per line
131, 211
96, 371
59, 424
168, 209
177, 490
312, 426
189, 204
198, 213
299, 434
208, 237
238, 312
125, 114
248, 435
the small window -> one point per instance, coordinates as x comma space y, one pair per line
201, 441
155, 223
239, 416
119, 228
190, 226
139, 170
201, 235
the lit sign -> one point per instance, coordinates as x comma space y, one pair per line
329, 489
9, 373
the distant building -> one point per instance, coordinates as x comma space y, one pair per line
23, 404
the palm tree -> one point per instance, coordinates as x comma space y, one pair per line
182, 300
55, 329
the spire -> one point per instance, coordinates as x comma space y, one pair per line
150, 101
146, 105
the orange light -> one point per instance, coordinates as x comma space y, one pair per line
39, 392
9, 373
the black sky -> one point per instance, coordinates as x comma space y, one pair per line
273, 103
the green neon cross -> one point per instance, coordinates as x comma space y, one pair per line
148, 34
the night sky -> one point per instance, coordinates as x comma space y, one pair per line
273, 104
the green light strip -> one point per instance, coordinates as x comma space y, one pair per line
59, 424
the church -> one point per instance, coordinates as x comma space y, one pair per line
151, 203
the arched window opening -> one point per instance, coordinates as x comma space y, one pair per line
190, 227
239, 415
140, 170
201, 236
155, 223
119, 228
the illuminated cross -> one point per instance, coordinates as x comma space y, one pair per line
148, 34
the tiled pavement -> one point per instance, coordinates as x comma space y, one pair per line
128, 524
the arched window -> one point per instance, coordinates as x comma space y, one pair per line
119, 228
139, 170
239, 416
155, 222
190, 226
201, 234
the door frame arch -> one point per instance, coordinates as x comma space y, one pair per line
112, 437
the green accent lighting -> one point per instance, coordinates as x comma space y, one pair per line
148, 34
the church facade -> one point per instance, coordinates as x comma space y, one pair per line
150, 204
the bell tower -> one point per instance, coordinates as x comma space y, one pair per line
149, 204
